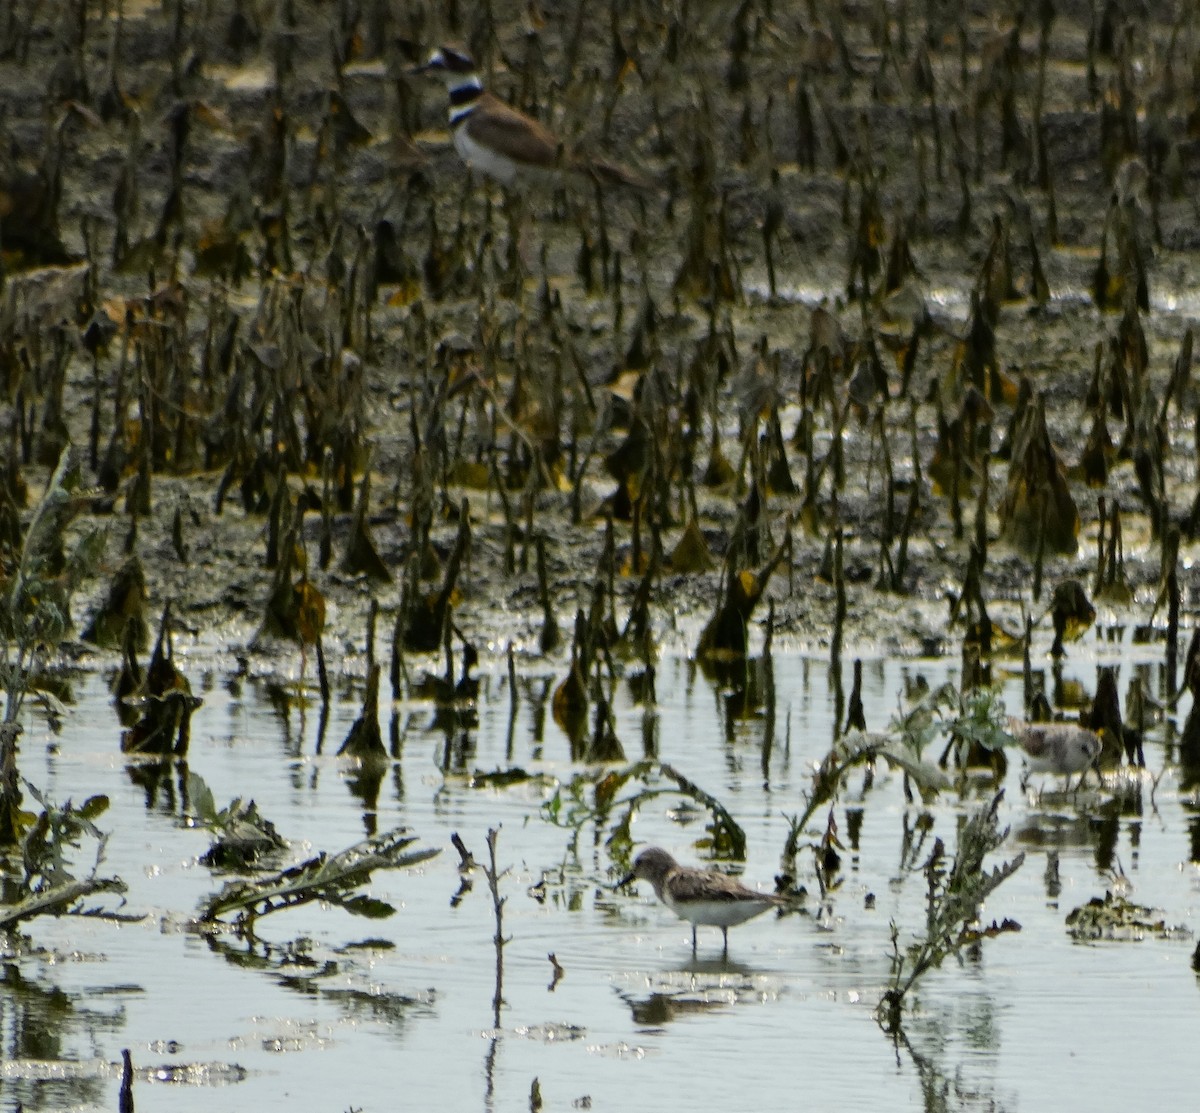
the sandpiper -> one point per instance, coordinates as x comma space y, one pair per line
700, 896
1059, 748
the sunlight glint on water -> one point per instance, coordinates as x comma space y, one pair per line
308, 1017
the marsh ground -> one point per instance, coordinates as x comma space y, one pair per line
245, 268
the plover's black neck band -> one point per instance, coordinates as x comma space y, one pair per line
466, 92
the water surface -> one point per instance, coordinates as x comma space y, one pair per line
329, 1011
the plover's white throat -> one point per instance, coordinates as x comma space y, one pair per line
700, 896
501, 141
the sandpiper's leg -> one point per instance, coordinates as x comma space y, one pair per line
725, 941
693, 940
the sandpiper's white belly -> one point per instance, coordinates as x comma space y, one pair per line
484, 159
717, 913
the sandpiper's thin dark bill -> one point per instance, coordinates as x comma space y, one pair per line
700, 896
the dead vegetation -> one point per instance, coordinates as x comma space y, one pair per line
892, 325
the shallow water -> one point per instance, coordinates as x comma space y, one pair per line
333, 1012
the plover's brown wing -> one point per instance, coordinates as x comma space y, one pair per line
500, 127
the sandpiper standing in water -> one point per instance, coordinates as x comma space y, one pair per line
1059, 748
700, 896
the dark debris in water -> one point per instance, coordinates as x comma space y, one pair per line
1115, 917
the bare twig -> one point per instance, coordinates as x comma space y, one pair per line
493, 879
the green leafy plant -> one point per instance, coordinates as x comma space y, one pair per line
955, 893
594, 798
36, 588
855, 750
974, 719
980, 723
36, 585
243, 836
44, 881
335, 880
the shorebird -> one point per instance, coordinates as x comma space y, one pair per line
1059, 748
501, 141
700, 896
